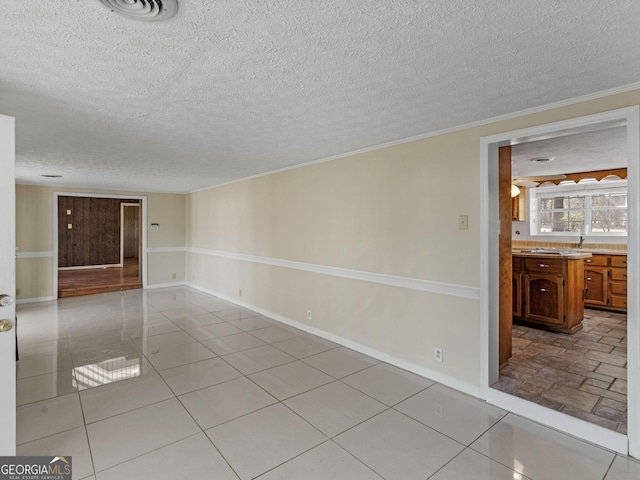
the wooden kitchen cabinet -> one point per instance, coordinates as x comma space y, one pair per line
551, 292
618, 283
606, 282
596, 279
544, 299
516, 287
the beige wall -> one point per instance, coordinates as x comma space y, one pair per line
393, 211
34, 235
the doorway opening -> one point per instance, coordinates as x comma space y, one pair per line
491, 292
99, 246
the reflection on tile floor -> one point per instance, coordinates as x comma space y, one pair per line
176, 384
583, 375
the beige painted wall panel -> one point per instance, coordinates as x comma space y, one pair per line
34, 216
167, 210
389, 211
34, 278
163, 265
404, 323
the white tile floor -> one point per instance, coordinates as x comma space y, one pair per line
176, 384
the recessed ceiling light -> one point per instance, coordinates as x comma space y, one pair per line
145, 10
51, 175
542, 159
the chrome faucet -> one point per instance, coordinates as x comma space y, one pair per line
581, 241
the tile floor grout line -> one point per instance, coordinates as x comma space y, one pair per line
146, 453
221, 455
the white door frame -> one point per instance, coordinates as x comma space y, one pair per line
489, 291
143, 254
8, 286
122, 207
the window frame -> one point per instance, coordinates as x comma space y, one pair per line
586, 188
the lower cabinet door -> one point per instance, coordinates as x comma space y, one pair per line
595, 283
544, 299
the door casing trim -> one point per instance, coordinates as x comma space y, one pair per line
489, 290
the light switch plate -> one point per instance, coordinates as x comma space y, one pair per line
463, 222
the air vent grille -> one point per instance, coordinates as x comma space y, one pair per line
144, 10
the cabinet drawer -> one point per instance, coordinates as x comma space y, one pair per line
596, 260
543, 265
619, 261
619, 301
618, 288
619, 274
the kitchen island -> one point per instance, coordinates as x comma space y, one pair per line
548, 289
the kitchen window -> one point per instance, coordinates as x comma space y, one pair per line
587, 208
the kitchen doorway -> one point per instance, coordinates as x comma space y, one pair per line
490, 291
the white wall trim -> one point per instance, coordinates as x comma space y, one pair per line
164, 285
489, 282
91, 267
444, 131
35, 300
380, 278
166, 249
34, 254
358, 347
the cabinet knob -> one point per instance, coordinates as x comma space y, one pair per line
544, 290
589, 279
588, 261
542, 265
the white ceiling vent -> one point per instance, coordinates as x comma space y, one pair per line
145, 10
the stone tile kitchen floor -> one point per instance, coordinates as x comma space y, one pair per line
583, 375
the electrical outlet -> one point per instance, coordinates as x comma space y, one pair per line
308, 314
463, 222
240, 292
437, 354
173, 275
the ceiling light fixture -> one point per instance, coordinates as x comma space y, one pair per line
144, 10
515, 191
51, 175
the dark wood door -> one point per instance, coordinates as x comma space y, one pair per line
544, 299
595, 281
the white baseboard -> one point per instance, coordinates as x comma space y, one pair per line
165, 285
34, 300
434, 375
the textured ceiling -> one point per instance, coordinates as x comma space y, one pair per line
600, 149
229, 89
